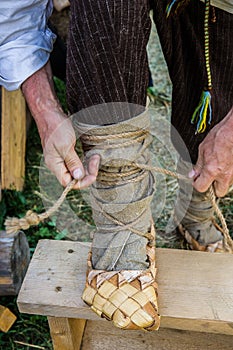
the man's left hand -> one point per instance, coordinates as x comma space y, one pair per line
215, 159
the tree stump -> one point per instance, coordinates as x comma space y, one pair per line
14, 261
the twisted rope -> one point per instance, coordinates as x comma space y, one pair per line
31, 218
227, 240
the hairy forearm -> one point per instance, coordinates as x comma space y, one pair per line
39, 93
56, 131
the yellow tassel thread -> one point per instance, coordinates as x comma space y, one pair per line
200, 114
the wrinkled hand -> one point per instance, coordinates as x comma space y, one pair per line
215, 159
56, 131
58, 141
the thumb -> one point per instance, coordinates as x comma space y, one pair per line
74, 165
196, 171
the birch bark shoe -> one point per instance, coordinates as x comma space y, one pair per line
194, 215
126, 297
121, 284
216, 247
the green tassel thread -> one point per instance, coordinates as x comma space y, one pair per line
176, 6
169, 7
201, 112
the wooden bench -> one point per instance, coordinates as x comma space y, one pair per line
195, 301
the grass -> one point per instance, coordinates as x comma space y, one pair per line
31, 330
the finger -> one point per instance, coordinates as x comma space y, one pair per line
74, 165
221, 188
196, 171
203, 181
61, 172
91, 173
198, 168
85, 182
93, 165
193, 174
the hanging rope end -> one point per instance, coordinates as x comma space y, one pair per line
13, 225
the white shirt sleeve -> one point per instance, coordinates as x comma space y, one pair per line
25, 39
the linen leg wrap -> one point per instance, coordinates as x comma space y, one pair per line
195, 212
121, 273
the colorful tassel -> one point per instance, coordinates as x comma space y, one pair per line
203, 110
169, 7
200, 114
175, 6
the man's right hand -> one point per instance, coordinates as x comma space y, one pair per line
56, 132
58, 142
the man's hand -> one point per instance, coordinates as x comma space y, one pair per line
56, 132
58, 141
215, 159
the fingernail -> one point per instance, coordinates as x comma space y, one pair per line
191, 174
77, 174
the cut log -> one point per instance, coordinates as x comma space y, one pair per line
14, 261
7, 318
195, 288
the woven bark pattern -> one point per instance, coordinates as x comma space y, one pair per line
126, 297
216, 247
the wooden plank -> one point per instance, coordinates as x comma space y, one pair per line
13, 139
66, 333
7, 318
195, 288
97, 337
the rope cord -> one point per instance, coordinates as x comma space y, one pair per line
31, 218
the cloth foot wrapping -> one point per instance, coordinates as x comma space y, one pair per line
121, 267
195, 213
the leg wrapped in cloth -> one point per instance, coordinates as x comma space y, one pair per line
121, 272
195, 214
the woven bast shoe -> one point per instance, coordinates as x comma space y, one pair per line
120, 283
193, 244
126, 297
194, 216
